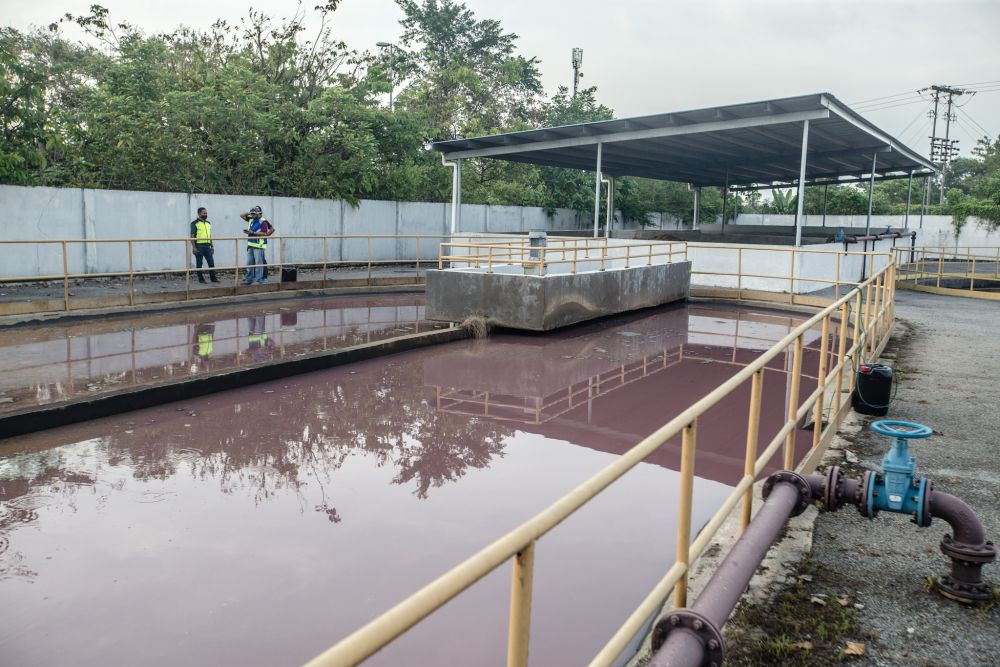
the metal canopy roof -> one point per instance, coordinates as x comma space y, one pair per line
742, 144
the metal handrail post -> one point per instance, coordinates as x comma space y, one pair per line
369, 261
187, 270
841, 350
519, 630
821, 382
793, 403
65, 259
791, 279
689, 437
739, 273
323, 281
131, 290
753, 433
855, 342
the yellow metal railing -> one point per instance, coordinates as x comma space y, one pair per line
568, 254
925, 268
866, 309
181, 265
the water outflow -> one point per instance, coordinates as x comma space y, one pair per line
262, 524
54, 362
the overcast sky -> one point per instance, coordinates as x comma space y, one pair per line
651, 56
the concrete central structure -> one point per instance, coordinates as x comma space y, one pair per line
538, 296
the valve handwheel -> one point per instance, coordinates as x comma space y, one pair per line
895, 428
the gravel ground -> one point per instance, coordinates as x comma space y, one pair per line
948, 361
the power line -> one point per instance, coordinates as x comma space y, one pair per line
908, 125
926, 125
977, 83
886, 97
976, 123
890, 106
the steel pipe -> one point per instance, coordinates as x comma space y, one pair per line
694, 636
691, 637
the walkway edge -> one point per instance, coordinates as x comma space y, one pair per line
44, 417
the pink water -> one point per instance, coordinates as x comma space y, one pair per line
261, 525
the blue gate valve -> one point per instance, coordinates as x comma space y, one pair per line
896, 488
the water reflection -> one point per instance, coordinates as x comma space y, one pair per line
332, 495
55, 362
608, 385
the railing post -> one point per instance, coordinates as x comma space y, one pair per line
66, 277
837, 284
131, 288
821, 382
542, 257
369, 261
281, 260
575, 250
689, 438
841, 352
793, 403
791, 279
628, 255
753, 431
604, 254
417, 254
187, 270
739, 273
323, 283
236, 266
519, 630
650, 257
855, 342
972, 272
940, 265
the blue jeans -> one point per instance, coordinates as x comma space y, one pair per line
255, 265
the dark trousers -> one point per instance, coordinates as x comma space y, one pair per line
205, 252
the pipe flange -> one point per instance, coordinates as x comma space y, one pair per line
833, 489
805, 493
925, 517
688, 619
866, 492
968, 553
962, 592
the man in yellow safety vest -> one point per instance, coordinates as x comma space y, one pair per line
201, 244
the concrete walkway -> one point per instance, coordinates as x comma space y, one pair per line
947, 359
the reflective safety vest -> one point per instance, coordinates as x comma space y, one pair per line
256, 241
206, 343
203, 232
259, 339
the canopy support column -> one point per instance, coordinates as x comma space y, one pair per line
611, 207
725, 196
825, 190
696, 220
597, 190
802, 183
909, 189
871, 191
456, 196
923, 199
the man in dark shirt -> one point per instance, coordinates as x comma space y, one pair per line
201, 244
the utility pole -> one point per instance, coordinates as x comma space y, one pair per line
943, 149
577, 62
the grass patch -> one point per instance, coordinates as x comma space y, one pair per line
809, 623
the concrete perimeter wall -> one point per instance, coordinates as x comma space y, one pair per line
777, 261
83, 215
936, 230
